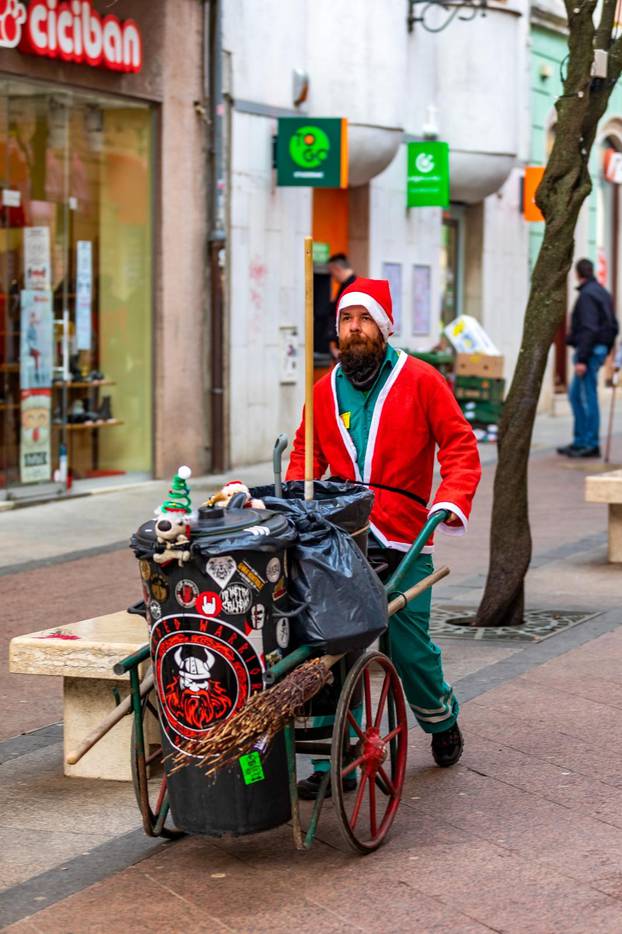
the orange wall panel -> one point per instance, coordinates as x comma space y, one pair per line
330, 218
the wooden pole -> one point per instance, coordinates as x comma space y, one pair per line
120, 711
400, 601
614, 386
308, 367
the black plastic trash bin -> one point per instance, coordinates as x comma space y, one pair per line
213, 631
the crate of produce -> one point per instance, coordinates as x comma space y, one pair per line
478, 364
482, 413
479, 389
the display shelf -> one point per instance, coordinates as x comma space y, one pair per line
9, 367
5, 406
89, 426
85, 384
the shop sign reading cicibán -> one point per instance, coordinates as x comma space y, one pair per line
72, 31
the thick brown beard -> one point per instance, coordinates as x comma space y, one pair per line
361, 356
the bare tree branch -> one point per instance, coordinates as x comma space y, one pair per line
605, 26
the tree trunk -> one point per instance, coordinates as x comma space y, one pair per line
565, 186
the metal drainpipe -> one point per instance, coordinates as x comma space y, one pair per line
217, 231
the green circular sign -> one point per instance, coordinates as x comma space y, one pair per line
309, 147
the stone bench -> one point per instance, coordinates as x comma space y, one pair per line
607, 488
84, 654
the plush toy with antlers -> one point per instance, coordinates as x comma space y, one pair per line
224, 496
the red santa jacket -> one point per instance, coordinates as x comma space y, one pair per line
414, 412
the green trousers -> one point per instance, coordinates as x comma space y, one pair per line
418, 662
418, 659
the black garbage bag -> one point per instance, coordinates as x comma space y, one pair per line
341, 604
343, 502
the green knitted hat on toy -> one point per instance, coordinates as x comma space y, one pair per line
178, 499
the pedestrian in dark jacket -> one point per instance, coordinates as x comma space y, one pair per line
341, 271
593, 330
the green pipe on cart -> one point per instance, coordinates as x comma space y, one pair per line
132, 661
393, 587
287, 664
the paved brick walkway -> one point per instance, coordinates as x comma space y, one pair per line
524, 837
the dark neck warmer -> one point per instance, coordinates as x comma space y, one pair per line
363, 378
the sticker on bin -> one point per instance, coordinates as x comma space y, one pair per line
159, 588
202, 676
252, 769
273, 570
258, 616
221, 569
145, 570
155, 610
186, 593
279, 589
236, 599
208, 603
251, 575
282, 633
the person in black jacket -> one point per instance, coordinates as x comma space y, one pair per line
593, 331
340, 269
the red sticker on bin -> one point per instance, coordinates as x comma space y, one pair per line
208, 603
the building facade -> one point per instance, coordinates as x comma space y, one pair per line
392, 85
146, 246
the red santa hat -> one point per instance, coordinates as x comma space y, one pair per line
375, 296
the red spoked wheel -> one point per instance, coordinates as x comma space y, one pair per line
370, 741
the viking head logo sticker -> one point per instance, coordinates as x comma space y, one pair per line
205, 670
191, 694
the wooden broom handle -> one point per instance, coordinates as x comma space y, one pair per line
120, 711
308, 367
399, 602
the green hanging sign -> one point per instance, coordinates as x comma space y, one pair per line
428, 174
321, 252
312, 152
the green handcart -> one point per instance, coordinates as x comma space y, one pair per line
371, 744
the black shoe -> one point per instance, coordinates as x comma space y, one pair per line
584, 452
105, 409
309, 787
447, 746
567, 449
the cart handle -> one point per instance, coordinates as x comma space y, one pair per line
394, 584
132, 661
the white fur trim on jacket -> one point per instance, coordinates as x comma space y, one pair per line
451, 529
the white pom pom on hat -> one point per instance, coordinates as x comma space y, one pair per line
184, 472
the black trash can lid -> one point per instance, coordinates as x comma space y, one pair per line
215, 529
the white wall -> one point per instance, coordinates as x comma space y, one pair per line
505, 270
399, 235
364, 65
266, 290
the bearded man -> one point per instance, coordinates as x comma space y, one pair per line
379, 416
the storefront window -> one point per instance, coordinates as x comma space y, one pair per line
75, 287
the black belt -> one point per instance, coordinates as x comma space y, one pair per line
383, 486
394, 489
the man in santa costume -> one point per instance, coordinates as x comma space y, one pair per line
379, 415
